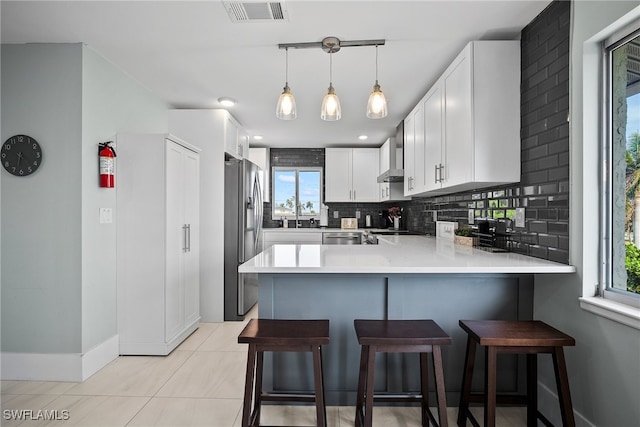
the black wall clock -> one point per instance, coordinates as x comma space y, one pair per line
21, 155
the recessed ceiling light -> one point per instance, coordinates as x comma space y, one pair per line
227, 102
257, 137
362, 137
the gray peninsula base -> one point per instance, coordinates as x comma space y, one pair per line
341, 298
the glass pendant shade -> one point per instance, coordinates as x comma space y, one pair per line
286, 108
331, 110
377, 105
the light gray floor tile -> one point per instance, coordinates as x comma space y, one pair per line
299, 415
217, 374
186, 412
225, 338
35, 387
94, 411
198, 337
132, 375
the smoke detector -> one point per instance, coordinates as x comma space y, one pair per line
256, 11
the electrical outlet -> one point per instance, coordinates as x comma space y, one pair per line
520, 217
336, 214
357, 214
470, 216
106, 215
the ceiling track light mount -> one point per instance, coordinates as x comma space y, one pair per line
330, 109
332, 44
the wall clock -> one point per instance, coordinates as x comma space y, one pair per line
21, 155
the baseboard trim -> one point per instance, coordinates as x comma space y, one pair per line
73, 367
548, 399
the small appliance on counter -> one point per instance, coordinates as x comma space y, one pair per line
348, 223
385, 220
324, 216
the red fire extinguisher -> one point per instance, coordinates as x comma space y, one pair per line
107, 157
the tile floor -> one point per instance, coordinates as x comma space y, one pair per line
198, 384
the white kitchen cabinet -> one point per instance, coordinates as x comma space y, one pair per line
414, 151
472, 121
158, 246
236, 139
261, 157
351, 174
275, 236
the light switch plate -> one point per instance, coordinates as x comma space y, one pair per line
358, 214
106, 215
470, 216
520, 217
336, 214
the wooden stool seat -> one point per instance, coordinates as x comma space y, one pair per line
282, 335
528, 337
400, 336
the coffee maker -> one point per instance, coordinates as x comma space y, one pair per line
384, 220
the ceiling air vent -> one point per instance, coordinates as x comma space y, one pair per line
256, 11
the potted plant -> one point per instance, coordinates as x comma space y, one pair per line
464, 236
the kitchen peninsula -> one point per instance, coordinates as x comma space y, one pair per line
403, 277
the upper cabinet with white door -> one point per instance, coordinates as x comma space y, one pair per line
236, 139
414, 172
471, 119
351, 174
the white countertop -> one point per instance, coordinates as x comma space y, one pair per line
395, 254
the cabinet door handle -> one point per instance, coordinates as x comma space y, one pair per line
441, 172
435, 170
188, 237
184, 238
354, 194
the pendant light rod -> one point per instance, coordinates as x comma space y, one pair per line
340, 43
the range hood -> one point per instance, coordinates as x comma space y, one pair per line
391, 175
391, 158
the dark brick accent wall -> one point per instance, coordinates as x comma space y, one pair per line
544, 187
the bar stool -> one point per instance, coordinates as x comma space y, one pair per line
520, 337
282, 335
400, 336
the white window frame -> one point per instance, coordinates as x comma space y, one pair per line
297, 170
593, 135
606, 280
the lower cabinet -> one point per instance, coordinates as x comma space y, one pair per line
158, 243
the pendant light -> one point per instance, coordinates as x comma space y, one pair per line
377, 105
286, 108
330, 110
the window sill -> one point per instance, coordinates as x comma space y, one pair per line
612, 310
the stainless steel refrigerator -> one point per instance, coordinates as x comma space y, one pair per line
242, 235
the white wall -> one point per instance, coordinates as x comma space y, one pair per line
58, 263
112, 102
604, 366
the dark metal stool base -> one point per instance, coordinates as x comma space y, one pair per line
282, 335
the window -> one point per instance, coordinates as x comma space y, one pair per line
621, 198
297, 193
